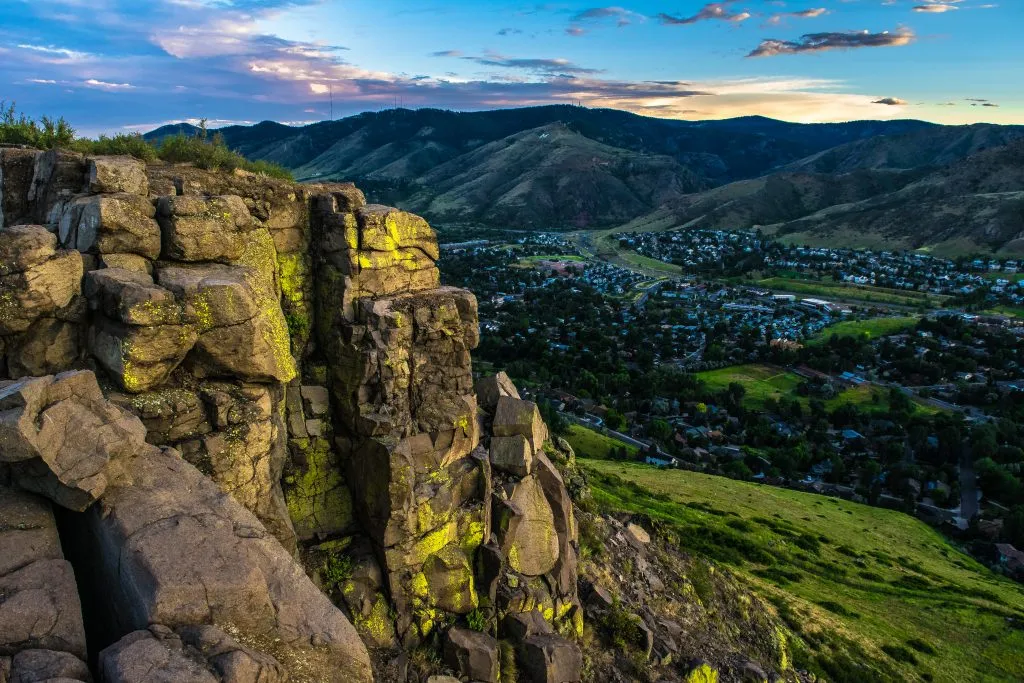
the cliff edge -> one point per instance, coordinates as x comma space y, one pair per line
240, 440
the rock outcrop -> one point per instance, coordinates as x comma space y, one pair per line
247, 395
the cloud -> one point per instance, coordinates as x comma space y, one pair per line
557, 66
935, 7
105, 85
447, 53
509, 31
55, 55
779, 17
621, 16
891, 101
575, 31
820, 42
712, 10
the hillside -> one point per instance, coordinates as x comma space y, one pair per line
874, 595
550, 177
936, 146
972, 204
400, 156
898, 184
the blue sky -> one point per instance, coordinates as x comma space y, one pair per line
111, 65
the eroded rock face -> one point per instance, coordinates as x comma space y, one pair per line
203, 229
36, 280
41, 628
294, 347
182, 553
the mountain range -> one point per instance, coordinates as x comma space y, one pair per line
899, 184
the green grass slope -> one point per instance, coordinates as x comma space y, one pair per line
873, 594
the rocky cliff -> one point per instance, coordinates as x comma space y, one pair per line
241, 440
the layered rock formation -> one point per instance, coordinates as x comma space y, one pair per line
223, 380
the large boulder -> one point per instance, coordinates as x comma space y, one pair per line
16, 170
512, 454
203, 229
514, 416
473, 654
49, 346
47, 666
28, 531
551, 659
58, 435
195, 654
112, 174
243, 333
139, 358
490, 389
111, 224
39, 609
36, 280
175, 550
526, 528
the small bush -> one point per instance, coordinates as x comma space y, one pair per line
18, 129
900, 654
200, 150
836, 608
921, 646
130, 145
337, 570
478, 621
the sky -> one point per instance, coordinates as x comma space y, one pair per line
131, 65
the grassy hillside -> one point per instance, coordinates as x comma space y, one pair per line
874, 595
587, 443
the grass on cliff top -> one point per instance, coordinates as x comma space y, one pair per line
866, 329
875, 595
210, 153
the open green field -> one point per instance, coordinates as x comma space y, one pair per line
554, 257
587, 443
764, 381
870, 329
1008, 311
859, 585
761, 382
840, 290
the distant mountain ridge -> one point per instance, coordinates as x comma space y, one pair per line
565, 167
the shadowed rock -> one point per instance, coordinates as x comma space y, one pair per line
179, 552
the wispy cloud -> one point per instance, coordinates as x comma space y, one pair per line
536, 65
712, 10
780, 17
891, 101
106, 85
821, 42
